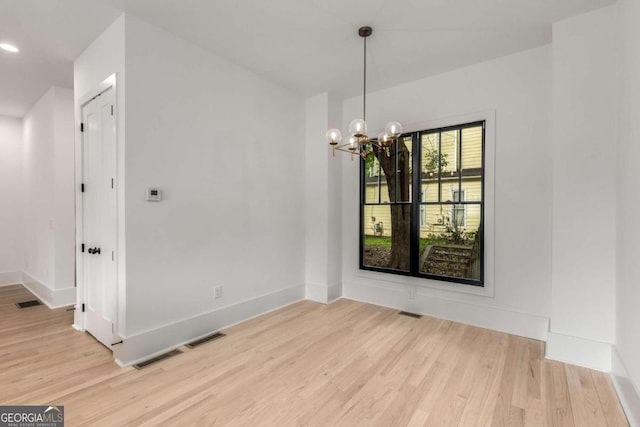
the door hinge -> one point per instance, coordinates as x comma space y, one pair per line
82, 248
83, 307
81, 127
111, 182
82, 188
112, 110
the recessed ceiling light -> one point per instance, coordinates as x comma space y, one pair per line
9, 47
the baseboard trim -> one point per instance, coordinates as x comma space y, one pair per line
628, 391
497, 319
322, 293
579, 351
315, 293
334, 292
8, 278
142, 346
53, 298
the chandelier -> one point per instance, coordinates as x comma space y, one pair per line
358, 142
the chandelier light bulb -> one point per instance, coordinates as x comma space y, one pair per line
393, 129
358, 127
333, 136
383, 139
9, 47
353, 143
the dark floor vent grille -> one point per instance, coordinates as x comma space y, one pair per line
414, 315
157, 359
27, 304
205, 339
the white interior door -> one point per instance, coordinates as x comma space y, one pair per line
99, 216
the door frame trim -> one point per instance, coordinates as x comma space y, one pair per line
79, 316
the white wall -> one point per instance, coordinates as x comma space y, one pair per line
39, 148
518, 89
11, 200
63, 188
626, 361
323, 202
48, 213
316, 198
584, 199
227, 150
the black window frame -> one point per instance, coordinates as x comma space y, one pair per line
416, 204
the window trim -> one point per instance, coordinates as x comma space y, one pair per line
400, 278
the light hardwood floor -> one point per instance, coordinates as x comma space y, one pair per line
308, 364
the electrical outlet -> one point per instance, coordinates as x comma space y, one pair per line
217, 292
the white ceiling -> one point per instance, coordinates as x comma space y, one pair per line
309, 46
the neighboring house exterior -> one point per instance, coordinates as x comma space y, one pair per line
459, 179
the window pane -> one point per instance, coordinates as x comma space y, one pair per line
433, 219
450, 251
472, 163
429, 165
458, 216
371, 177
472, 148
449, 187
472, 187
449, 149
382, 248
473, 218
429, 190
403, 170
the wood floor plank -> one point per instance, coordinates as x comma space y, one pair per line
308, 364
558, 403
609, 400
587, 410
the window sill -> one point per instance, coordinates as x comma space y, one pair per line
407, 280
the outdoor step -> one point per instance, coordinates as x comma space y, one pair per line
450, 252
461, 260
455, 246
438, 252
452, 260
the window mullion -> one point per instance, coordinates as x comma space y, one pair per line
439, 154
416, 188
459, 163
363, 185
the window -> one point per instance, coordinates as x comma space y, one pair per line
422, 205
